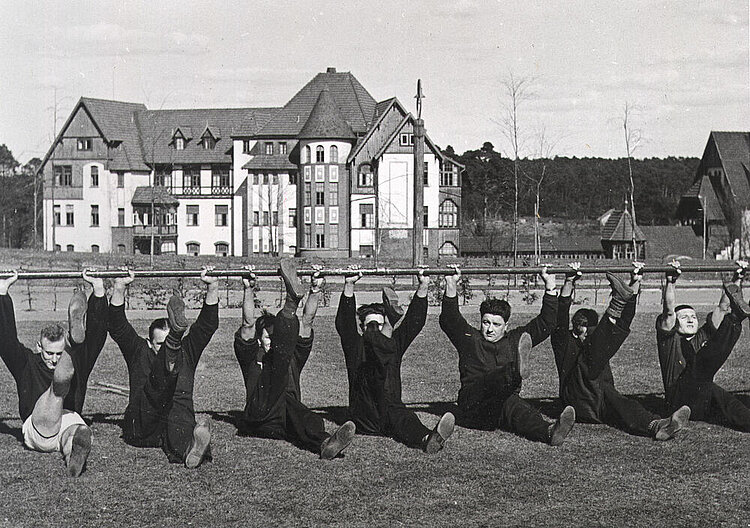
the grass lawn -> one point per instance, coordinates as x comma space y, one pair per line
599, 477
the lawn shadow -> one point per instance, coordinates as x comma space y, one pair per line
16, 432
106, 418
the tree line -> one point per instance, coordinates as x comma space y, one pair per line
17, 201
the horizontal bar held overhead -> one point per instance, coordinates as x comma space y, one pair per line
718, 266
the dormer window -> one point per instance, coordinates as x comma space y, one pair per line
269, 148
179, 143
209, 143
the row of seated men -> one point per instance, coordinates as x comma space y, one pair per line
272, 350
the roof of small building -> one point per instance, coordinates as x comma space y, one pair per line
619, 228
266, 162
734, 151
663, 241
326, 120
161, 196
504, 244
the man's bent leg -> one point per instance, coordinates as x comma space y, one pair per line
48, 409
602, 345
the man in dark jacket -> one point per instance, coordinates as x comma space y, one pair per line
272, 351
690, 356
493, 361
51, 381
373, 364
582, 357
161, 370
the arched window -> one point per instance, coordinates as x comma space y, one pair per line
193, 248
448, 249
69, 247
448, 214
334, 154
121, 248
308, 154
222, 249
319, 154
94, 248
365, 175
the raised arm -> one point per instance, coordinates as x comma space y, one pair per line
120, 329
311, 305
668, 318
452, 322
560, 334
207, 323
346, 315
724, 306
543, 324
415, 316
11, 350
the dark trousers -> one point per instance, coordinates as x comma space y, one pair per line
153, 420
695, 386
606, 340
273, 412
403, 425
625, 413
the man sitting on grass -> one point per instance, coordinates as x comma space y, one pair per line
373, 364
690, 356
161, 370
51, 381
492, 361
272, 351
582, 357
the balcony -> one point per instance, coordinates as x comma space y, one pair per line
158, 230
209, 190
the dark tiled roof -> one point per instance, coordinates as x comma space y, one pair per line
734, 151
619, 228
663, 241
497, 244
161, 196
116, 120
275, 162
354, 102
326, 120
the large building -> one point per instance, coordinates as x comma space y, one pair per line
329, 174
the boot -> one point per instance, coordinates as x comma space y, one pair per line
338, 441
393, 310
740, 308
77, 317
621, 294
666, 428
435, 441
560, 430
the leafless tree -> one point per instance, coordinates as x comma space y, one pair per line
633, 139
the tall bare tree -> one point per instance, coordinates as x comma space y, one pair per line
633, 139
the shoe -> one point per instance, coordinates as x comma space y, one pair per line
739, 307
560, 430
176, 314
338, 441
77, 317
666, 428
291, 281
524, 355
621, 294
79, 453
393, 310
199, 445
442, 432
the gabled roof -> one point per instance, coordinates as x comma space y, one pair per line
354, 102
734, 151
161, 196
549, 244
326, 120
672, 240
408, 118
266, 162
619, 228
703, 192
381, 109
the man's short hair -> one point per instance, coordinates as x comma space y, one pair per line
495, 307
53, 333
683, 307
369, 309
263, 322
162, 323
585, 317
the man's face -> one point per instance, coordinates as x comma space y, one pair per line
687, 322
493, 327
157, 339
51, 351
580, 332
378, 319
265, 339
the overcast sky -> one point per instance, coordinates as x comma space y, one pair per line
682, 64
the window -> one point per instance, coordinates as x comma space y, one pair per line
333, 193
222, 215
448, 214
192, 215
168, 246
333, 173
292, 178
193, 248
308, 193
333, 215
425, 216
256, 217
308, 155
265, 218
84, 144
365, 176
94, 248
366, 250
56, 215
209, 142
69, 216
308, 215
319, 154
63, 175
179, 143
448, 249
120, 217
58, 247
120, 180
333, 236
191, 179
264, 179
221, 183
292, 217
274, 179
425, 175
308, 174
334, 154
269, 149
366, 215
308, 236
320, 215
320, 173
320, 193
70, 248
246, 146
256, 179
446, 176
282, 148
121, 248
406, 140
320, 240
163, 176
95, 176
222, 249
275, 218
94, 216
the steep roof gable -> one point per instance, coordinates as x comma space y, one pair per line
326, 121
619, 228
355, 103
734, 151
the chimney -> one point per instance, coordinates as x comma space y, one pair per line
330, 70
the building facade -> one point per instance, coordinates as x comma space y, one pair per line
329, 174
